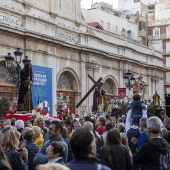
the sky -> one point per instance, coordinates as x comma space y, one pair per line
87, 3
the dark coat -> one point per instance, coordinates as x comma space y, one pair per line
130, 134
3, 167
153, 155
16, 161
32, 151
119, 155
85, 164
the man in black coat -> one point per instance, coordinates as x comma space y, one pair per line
83, 146
153, 154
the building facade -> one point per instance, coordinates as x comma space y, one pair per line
159, 35
54, 34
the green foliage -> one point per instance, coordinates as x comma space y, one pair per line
4, 106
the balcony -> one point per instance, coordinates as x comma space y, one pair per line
164, 51
161, 36
142, 33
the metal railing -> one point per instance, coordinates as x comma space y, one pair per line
161, 36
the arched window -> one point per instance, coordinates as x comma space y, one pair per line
108, 86
65, 82
5, 76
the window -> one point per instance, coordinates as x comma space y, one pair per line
108, 86
156, 33
168, 90
167, 32
168, 77
65, 82
168, 62
108, 26
167, 47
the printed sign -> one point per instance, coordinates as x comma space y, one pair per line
42, 88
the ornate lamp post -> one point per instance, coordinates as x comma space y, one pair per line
129, 77
10, 61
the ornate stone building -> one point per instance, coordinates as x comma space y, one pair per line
54, 34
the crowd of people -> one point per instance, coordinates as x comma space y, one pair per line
100, 143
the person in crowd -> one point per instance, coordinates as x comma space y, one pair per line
13, 120
4, 163
166, 136
55, 131
83, 146
114, 154
28, 124
76, 125
99, 142
39, 121
136, 112
109, 126
85, 119
38, 136
1, 127
100, 123
55, 152
7, 127
53, 166
18, 159
143, 134
113, 119
124, 140
65, 135
108, 118
31, 146
133, 132
19, 124
154, 152
121, 127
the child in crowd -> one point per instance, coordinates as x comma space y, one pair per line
136, 112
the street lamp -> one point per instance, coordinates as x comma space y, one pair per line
129, 77
10, 61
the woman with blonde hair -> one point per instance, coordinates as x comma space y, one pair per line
4, 163
37, 136
18, 159
39, 121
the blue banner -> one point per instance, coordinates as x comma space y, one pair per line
42, 88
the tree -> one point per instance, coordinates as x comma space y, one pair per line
4, 106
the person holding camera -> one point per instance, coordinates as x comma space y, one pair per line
17, 159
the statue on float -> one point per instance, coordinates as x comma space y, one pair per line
140, 87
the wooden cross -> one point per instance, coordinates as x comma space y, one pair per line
96, 84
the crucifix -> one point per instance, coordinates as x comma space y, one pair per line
96, 84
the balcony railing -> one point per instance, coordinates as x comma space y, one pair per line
166, 51
161, 36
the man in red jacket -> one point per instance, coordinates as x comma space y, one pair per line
100, 123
